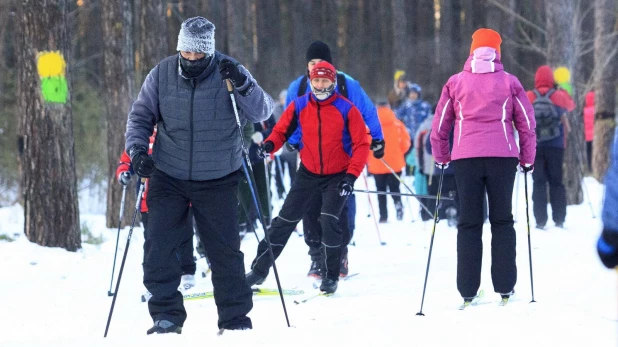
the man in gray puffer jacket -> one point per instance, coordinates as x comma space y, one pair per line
197, 161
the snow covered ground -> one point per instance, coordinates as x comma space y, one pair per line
50, 297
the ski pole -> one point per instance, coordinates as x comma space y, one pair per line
529, 246
516, 198
588, 197
268, 192
126, 250
433, 233
373, 212
433, 197
111, 281
245, 209
405, 185
251, 179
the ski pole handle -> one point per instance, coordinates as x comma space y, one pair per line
230, 87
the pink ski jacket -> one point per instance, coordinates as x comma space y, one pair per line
483, 102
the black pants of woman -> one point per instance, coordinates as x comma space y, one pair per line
474, 176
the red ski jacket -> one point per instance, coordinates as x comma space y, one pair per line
333, 135
125, 165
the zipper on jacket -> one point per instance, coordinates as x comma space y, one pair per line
193, 83
320, 139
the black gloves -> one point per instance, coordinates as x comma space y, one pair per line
525, 168
377, 146
346, 186
607, 248
142, 163
266, 147
229, 70
124, 178
443, 166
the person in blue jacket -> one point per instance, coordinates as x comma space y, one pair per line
351, 90
608, 242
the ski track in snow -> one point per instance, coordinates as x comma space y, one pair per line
50, 297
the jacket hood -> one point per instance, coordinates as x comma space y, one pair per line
544, 77
386, 116
483, 60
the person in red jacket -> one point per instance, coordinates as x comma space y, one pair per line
589, 125
185, 250
333, 151
398, 139
551, 105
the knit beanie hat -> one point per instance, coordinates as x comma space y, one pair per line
318, 50
197, 34
486, 38
324, 69
400, 75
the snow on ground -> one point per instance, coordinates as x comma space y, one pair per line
50, 297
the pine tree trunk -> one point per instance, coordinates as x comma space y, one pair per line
562, 51
604, 86
47, 148
119, 87
153, 26
400, 37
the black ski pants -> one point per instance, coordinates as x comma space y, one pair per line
384, 181
291, 159
305, 191
215, 207
185, 249
548, 171
312, 227
474, 176
247, 210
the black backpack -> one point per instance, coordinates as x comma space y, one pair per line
547, 117
341, 83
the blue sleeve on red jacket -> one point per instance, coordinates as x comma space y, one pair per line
361, 100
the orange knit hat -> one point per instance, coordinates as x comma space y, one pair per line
486, 38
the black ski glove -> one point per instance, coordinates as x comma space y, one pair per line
229, 70
266, 147
124, 178
142, 163
607, 247
377, 146
346, 186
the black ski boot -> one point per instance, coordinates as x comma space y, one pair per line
164, 327
255, 277
315, 270
328, 286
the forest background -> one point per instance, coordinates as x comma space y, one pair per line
53, 149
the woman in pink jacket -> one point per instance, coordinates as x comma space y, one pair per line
484, 102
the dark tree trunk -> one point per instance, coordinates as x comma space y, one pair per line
239, 38
604, 85
400, 34
47, 148
152, 49
119, 87
562, 51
